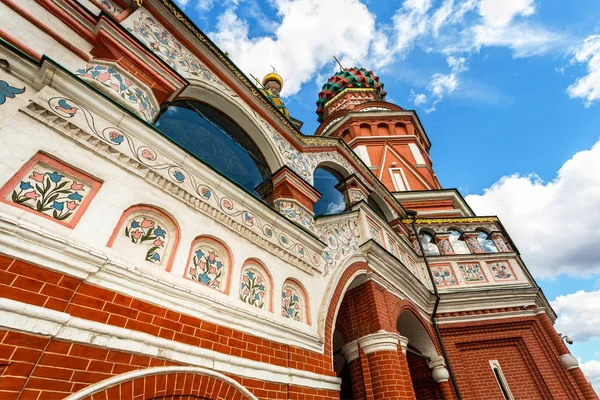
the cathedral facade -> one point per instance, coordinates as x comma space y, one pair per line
167, 232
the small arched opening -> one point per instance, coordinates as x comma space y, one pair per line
486, 243
428, 243
326, 180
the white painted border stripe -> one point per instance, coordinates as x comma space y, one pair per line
115, 380
28, 318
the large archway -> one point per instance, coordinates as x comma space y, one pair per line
166, 383
419, 354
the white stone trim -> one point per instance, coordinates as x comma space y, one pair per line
495, 365
15, 315
128, 376
27, 241
403, 344
568, 361
374, 342
439, 372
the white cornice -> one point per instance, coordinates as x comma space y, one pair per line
32, 319
446, 194
29, 242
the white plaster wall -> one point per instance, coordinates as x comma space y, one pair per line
39, 41
122, 189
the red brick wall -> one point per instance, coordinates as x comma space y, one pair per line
30, 284
526, 355
422, 381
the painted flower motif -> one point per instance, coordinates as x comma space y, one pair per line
116, 137
148, 155
159, 232
206, 193
58, 205
155, 257
158, 242
32, 195
227, 204
36, 176
179, 177
55, 177
75, 196
71, 205
25, 186
212, 256
136, 234
207, 268
135, 224
146, 223
77, 186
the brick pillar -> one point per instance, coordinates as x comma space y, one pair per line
472, 242
293, 197
443, 243
354, 190
384, 367
500, 242
566, 359
360, 375
409, 390
441, 376
415, 244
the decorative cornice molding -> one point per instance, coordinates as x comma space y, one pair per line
458, 220
378, 341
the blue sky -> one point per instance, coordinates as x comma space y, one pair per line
507, 90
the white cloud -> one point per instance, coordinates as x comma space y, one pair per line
561, 234
501, 12
579, 315
204, 5
311, 32
182, 3
442, 84
587, 87
592, 370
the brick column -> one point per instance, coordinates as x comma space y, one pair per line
415, 244
500, 242
292, 196
354, 190
384, 367
409, 390
443, 243
441, 376
472, 242
566, 359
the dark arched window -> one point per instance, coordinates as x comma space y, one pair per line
215, 139
486, 243
332, 201
429, 245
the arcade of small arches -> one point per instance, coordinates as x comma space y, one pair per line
454, 241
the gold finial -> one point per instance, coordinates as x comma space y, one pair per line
339, 63
274, 70
139, 2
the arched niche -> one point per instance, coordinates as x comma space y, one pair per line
146, 234
210, 263
294, 302
256, 285
379, 206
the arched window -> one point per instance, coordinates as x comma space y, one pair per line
429, 245
458, 244
486, 243
217, 140
294, 304
507, 395
209, 263
255, 285
332, 201
146, 234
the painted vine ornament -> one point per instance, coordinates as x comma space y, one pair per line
49, 194
147, 231
252, 289
150, 158
207, 268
